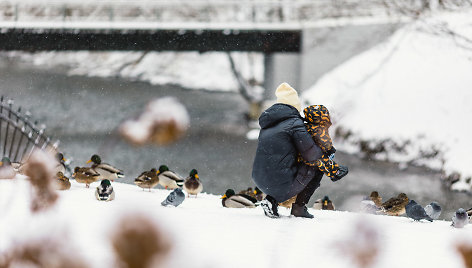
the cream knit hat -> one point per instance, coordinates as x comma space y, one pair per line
287, 95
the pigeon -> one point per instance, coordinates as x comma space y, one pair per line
416, 211
460, 219
368, 206
175, 198
433, 210
105, 191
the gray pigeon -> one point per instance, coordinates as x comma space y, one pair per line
416, 212
368, 206
175, 198
460, 219
105, 191
433, 210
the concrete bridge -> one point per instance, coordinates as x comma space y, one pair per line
34, 36
299, 38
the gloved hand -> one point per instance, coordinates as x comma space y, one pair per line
330, 153
343, 170
331, 156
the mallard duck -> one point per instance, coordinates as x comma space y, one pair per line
289, 202
256, 193
61, 166
324, 204
85, 175
469, 212
62, 182
7, 171
104, 191
232, 200
374, 196
395, 206
105, 170
169, 179
147, 179
192, 184
249, 191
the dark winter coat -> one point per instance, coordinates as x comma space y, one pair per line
283, 135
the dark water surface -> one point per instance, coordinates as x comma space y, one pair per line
83, 112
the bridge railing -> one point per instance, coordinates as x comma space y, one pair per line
19, 135
190, 11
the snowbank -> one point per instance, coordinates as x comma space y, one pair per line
408, 99
205, 234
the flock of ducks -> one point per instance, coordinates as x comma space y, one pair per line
401, 204
249, 198
146, 180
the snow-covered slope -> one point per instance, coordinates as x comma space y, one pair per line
408, 99
205, 234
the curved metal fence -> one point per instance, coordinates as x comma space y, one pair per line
212, 11
19, 136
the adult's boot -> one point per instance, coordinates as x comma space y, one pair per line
300, 211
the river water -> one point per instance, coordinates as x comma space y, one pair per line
83, 113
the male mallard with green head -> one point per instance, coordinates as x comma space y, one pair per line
148, 179
62, 182
105, 170
395, 206
169, 179
232, 200
61, 165
324, 204
258, 194
192, 184
104, 191
85, 175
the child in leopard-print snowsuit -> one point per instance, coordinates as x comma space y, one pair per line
317, 123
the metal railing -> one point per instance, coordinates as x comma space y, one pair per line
190, 10
19, 136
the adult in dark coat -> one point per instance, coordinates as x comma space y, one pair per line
282, 138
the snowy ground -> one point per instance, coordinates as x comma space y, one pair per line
205, 234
